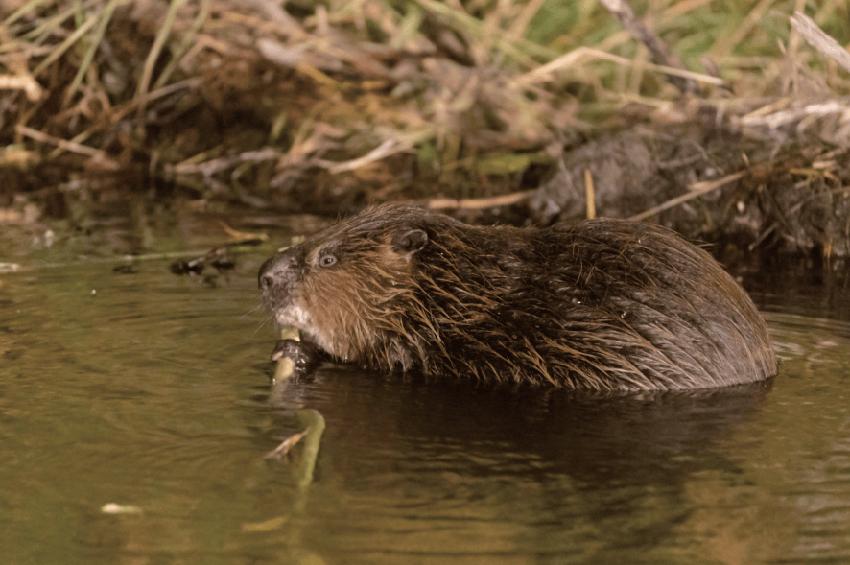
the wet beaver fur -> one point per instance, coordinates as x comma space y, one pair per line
603, 304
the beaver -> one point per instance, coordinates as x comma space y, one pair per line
600, 304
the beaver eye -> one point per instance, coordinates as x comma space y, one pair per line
327, 260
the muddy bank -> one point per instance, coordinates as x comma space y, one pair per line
730, 188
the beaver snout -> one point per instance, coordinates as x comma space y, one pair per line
281, 268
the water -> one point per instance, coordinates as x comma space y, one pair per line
150, 390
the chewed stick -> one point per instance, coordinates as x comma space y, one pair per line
285, 366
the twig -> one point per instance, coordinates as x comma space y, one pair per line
388, 147
27, 7
697, 189
775, 117
285, 367
478, 203
475, 27
282, 450
661, 54
314, 423
589, 194
544, 72
61, 143
824, 43
186, 41
724, 46
26, 83
156, 49
16, 62
95, 39
65, 45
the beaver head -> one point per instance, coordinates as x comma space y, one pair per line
351, 289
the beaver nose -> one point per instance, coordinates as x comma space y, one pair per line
265, 280
277, 269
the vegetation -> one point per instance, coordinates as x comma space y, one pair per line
324, 104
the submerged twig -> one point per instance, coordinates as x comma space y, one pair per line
315, 427
282, 450
314, 424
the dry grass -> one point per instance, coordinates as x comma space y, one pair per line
243, 99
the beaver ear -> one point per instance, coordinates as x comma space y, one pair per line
408, 240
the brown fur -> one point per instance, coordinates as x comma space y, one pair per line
602, 304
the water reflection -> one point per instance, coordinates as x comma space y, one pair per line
515, 470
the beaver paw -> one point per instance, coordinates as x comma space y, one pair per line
304, 354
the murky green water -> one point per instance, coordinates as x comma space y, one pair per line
151, 390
